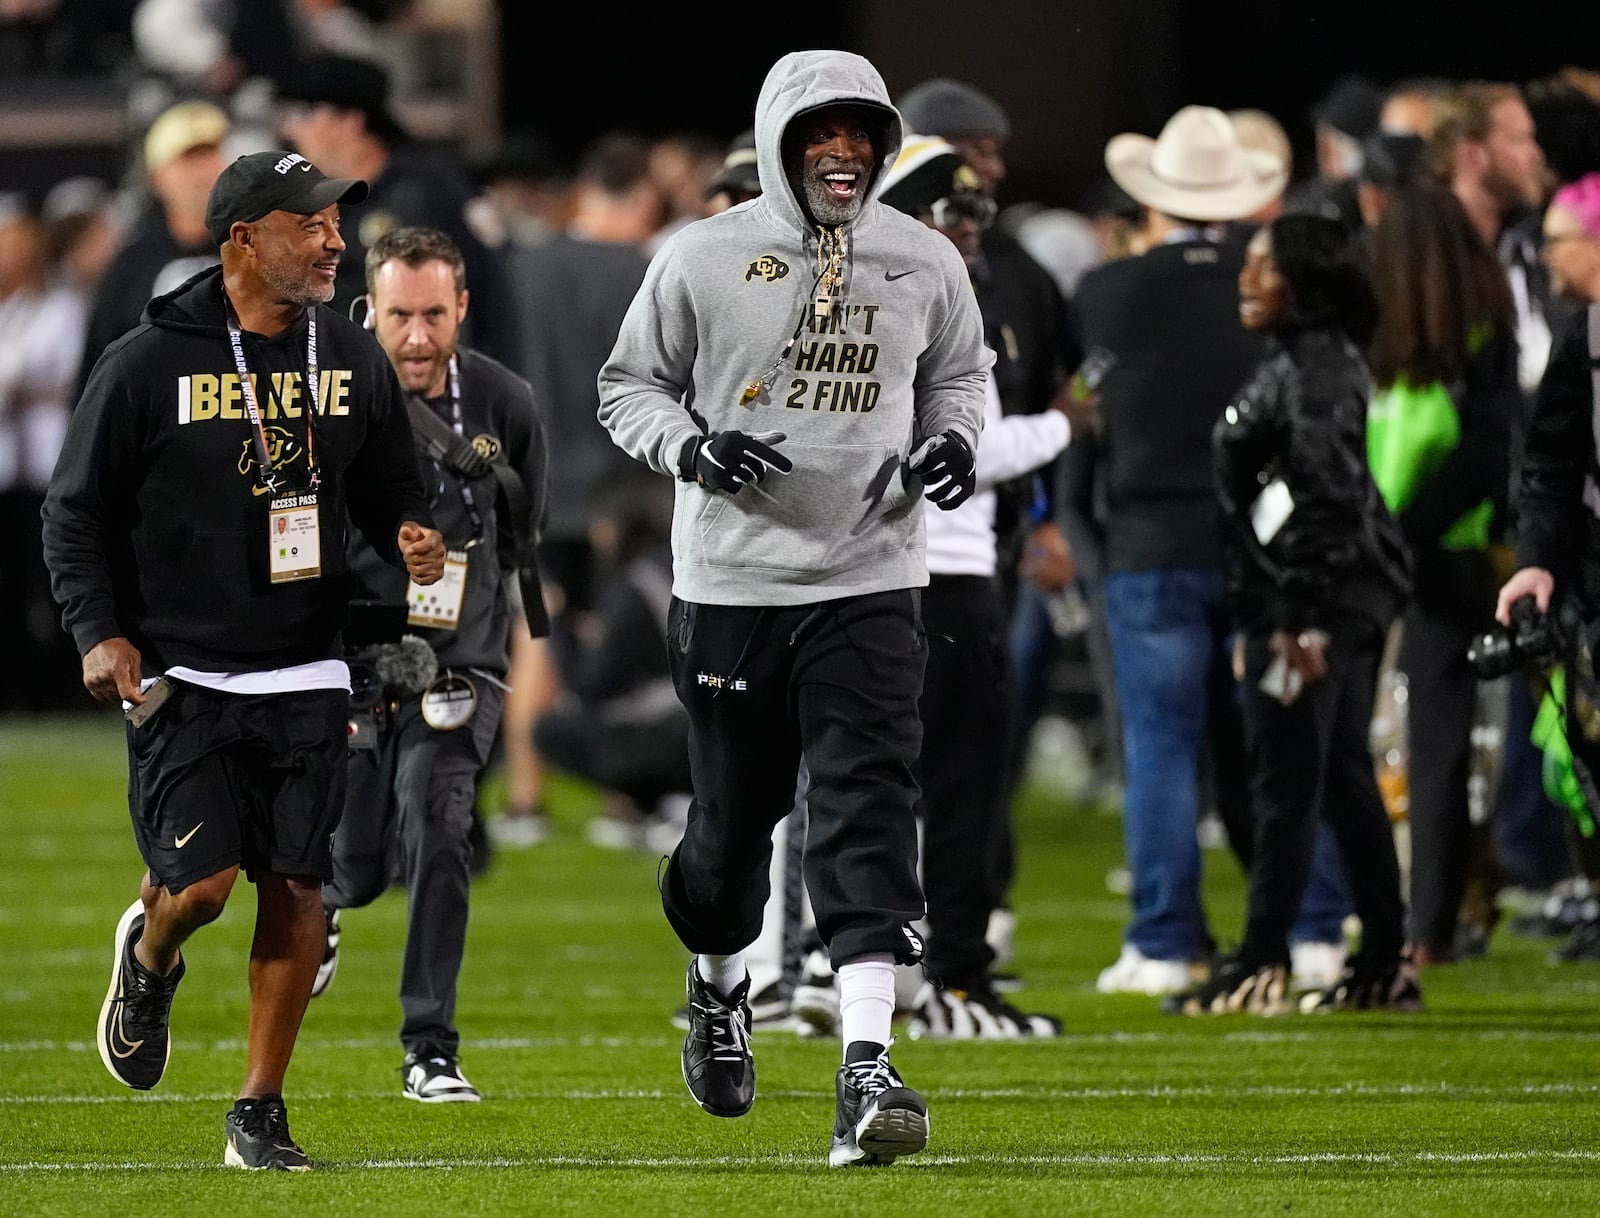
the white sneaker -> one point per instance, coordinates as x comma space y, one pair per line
518, 831
614, 833
1136, 973
1316, 966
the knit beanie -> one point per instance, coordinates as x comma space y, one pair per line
951, 108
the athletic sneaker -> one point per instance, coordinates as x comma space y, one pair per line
815, 1001
1362, 989
1233, 988
718, 1066
877, 1118
258, 1137
433, 1076
974, 1014
1314, 965
133, 1032
330, 955
1135, 973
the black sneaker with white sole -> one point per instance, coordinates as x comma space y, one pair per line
133, 1032
718, 1066
434, 1077
258, 1136
878, 1119
330, 954
815, 1001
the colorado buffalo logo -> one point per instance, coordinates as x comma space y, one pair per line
768, 268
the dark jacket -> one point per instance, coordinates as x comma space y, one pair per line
1558, 516
155, 524
497, 414
1025, 322
572, 295
1171, 317
1302, 418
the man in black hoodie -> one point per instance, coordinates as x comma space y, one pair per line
194, 530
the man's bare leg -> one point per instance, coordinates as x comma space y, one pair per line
170, 918
290, 933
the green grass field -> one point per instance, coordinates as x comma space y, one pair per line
1485, 1105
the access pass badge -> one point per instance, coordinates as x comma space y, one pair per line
294, 539
449, 702
439, 604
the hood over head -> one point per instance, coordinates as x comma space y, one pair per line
809, 80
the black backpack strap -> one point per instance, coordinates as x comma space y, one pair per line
513, 505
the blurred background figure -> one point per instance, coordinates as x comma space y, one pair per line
524, 191
41, 332
618, 723
181, 158
683, 166
1341, 119
572, 290
1317, 571
335, 111
737, 181
1143, 488
1444, 364
1025, 323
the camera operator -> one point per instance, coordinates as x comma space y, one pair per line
1551, 605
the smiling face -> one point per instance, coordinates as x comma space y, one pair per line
418, 312
829, 156
1263, 291
296, 255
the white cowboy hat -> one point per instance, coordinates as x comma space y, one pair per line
1197, 169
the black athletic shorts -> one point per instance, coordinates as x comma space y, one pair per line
254, 780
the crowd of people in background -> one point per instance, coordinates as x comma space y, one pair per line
1471, 212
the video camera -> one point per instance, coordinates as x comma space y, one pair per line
1533, 639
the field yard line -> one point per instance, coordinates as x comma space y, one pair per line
233, 1044
1329, 1158
1266, 1091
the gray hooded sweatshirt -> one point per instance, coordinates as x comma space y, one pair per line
901, 360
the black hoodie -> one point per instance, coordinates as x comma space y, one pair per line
155, 524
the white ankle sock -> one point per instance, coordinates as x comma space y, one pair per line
866, 1000
725, 973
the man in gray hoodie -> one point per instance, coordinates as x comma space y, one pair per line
807, 365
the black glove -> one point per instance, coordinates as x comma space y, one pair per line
947, 468
727, 460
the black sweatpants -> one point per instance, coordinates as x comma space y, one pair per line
408, 812
965, 733
1312, 759
836, 682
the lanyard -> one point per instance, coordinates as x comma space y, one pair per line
468, 500
252, 408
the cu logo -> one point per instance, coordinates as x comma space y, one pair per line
768, 268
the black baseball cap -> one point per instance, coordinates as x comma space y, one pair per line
262, 182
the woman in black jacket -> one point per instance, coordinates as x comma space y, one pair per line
1317, 572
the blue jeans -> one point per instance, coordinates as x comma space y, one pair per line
1326, 902
1169, 628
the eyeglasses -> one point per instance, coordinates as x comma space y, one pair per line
951, 211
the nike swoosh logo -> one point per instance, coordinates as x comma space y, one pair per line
891, 276
258, 490
181, 842
118, 1035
